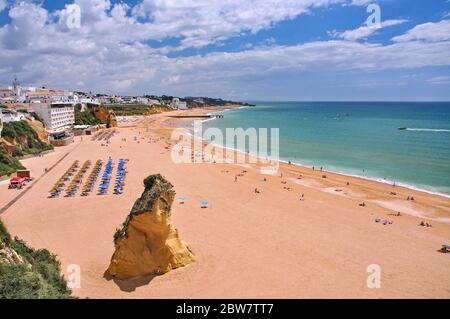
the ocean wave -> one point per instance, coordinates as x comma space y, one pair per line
421, 188
427, 129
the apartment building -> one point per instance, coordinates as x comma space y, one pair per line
57, 115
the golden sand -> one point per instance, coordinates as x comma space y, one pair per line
246, 244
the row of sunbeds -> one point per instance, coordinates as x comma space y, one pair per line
61, 183
92, 178
106, 178
119, 182
75, 184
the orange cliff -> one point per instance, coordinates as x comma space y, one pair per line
148, 244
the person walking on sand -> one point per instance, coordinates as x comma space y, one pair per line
235, 178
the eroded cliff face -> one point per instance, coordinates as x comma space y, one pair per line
9, 256
39, 129
148, 244
105, 116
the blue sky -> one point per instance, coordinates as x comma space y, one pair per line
250, 50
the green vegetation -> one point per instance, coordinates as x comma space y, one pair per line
130, 109
84, 118
150, 180
37, 117
26, 138
8, 164
37, 278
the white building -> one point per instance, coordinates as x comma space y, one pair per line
89, 100
57, 115
177, 104
11, 116
7, 95
129, 99
50, 96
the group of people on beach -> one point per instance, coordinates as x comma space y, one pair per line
425, 224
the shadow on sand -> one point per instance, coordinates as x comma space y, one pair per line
131, 284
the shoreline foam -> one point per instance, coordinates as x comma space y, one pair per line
373, 179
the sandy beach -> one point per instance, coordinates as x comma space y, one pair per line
269, 244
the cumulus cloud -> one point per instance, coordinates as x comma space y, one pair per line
201, 22
365, 31
2, 5
361, 2
110, 52
430, 32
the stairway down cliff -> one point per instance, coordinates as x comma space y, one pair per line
147, 243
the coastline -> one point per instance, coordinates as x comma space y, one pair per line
348, 174
298, 168
318, 246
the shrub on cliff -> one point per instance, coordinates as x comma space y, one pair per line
39, 277
85, 118
8, 164
25, 137
37, 117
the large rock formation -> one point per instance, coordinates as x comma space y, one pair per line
148, 244
105, 116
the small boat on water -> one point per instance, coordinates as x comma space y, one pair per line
402, 128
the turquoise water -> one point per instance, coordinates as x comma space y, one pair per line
359, 138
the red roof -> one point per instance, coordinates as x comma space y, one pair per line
17, 179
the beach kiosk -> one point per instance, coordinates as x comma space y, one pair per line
17, 183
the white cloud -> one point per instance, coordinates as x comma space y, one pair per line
202, 22
2, 5
440, 80
361, 2
364, 31
109, 52
430, 32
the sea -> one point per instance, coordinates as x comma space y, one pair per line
403, 142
